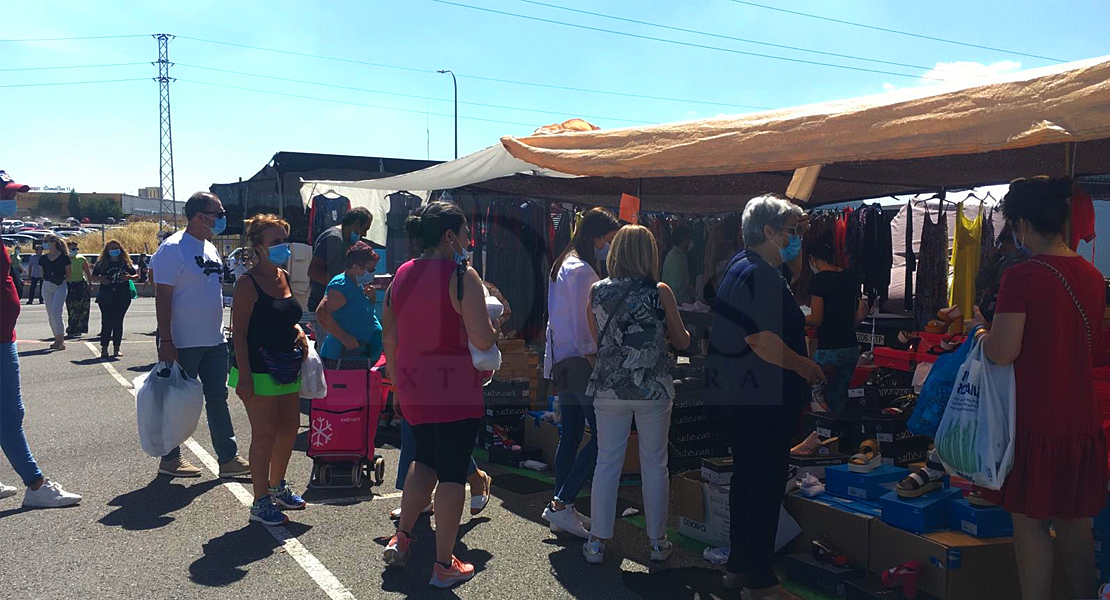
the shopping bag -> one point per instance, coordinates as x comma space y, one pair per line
935, 392
167, 407
313, 384
131, 289
975, 439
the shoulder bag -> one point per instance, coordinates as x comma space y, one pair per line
1074, 298
572, 375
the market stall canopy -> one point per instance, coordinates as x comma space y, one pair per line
906, 141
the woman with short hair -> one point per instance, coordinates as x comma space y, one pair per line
632, 317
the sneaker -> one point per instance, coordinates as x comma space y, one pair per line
661, 550
283, 496
583, 519
458, 573
49, 495
7, 491
178, 467
594, 551
236, 467
397, 550
565, 519
264, 511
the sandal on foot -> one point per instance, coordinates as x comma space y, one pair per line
868, 458
478, 503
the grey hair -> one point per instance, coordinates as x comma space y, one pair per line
768, 209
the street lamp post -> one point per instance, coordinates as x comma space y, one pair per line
456, 83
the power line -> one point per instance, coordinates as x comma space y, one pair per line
21, 85
735, 39
916, 35
86, 37
406, 110
475, 77
414, 96
688, 44
75, 67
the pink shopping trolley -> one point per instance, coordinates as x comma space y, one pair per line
342, 428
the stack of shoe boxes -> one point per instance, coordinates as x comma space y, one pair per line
518, 362
693, 435
506, 404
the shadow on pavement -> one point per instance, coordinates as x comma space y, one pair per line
226, 556
42, 352
23, 509
149, 507
93, 361
687, 583
412, 581
143, 368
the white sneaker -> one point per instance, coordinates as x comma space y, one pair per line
50, 495
583, 519
7, 491
594, 551
567, 520
661, 550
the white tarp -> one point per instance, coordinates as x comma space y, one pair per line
483, 165
373, 199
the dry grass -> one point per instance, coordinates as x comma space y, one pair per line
135, 237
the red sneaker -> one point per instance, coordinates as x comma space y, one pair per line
458, 573
397, 550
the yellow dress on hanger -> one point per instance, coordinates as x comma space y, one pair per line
966, 249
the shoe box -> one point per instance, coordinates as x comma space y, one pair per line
905, 451
841, 481
514, 458
717, 471
689, 422
886, 429
925, 514
820, 576
826, 518
830, 424
704, 513
497, 433
979, 522
816, 465
511, 392
883, 332
872, 588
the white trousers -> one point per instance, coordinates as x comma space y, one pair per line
54, 297
653, 426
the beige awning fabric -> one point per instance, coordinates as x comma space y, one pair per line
1064, 103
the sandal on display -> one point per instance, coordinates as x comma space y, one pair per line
976, 498
906, 341
901, 406
868, 458
812, 445
952, 315
936, 326
923, 480
905, 576
824, 551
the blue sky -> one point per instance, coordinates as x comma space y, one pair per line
104, 137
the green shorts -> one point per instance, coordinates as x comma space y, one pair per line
265, 384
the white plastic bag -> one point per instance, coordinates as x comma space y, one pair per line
167, 408
975, 439
313, 384
488, 360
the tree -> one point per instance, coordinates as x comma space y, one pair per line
49, 205
74, 205
99, 209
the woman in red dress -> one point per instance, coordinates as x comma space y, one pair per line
1046, 324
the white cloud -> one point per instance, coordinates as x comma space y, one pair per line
691, 114
959, 72
889, 87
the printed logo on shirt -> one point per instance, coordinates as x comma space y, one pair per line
209, 267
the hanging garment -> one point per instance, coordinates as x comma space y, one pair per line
878, 255
840, 228
966, 247
1082, 217
911, 258
932, 268
326, 212
986, 255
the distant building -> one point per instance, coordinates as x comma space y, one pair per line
56, 204
150, 192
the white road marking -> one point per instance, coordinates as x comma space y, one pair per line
356, 499
311, 565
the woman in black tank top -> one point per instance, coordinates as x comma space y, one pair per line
269, 347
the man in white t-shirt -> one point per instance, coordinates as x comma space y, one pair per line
188, 276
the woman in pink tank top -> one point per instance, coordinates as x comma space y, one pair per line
433, 308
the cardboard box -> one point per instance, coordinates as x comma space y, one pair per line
830, 424
717, 471
816, 465
631, 453
505, 412
920, 515
906, 451
822, 518
703, 512
510, 346
956, 565
872, 588
979, 522
840, 481
822, 577
544, 436
886, 429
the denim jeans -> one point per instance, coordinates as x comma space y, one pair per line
12, 440
408, 454
572, 467
210, 365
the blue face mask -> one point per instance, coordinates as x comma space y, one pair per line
353, 238
792, 249
366, 278
1020, 246
219, 226
114, 253
279, 254
7, 208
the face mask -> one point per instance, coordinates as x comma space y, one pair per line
602, 254
114, 253
219, 226
792, 249
462, 255
1022, 250
813, 267
353, 238
7, 208
279, 254
73, 252
365, 279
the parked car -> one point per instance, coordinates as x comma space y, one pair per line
17, 239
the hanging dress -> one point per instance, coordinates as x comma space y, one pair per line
966, 249
932, 268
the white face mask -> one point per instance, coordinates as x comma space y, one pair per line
813, 267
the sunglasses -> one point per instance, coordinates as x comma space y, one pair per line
215, 213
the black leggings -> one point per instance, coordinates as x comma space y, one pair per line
446, 447
111, 321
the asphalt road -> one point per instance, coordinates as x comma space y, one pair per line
137, 534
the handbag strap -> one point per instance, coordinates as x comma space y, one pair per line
1071, 292
620, 306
